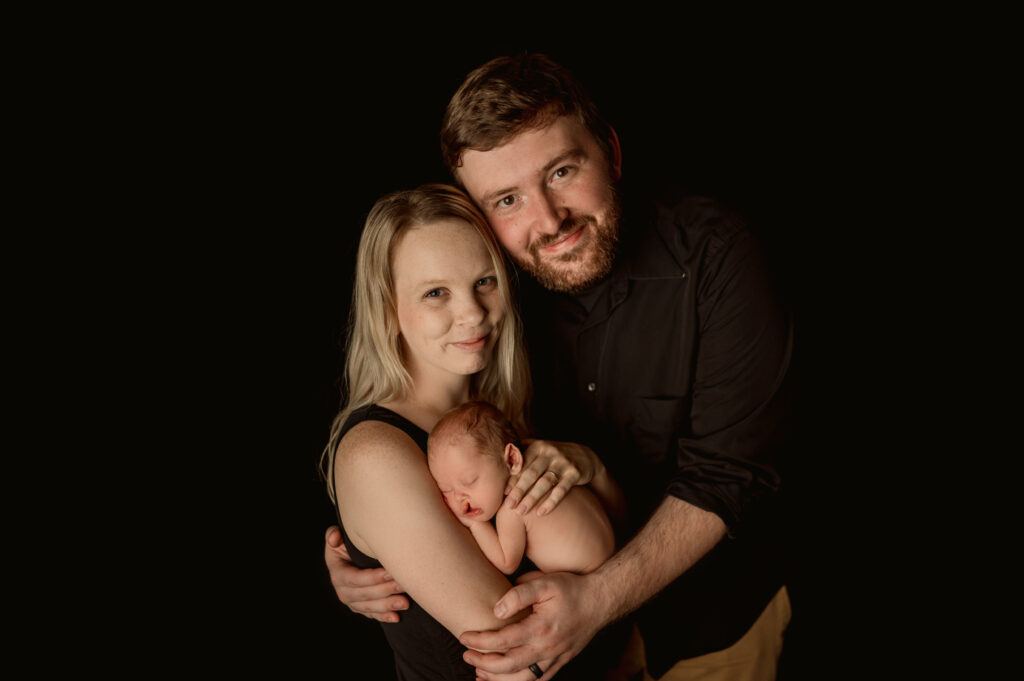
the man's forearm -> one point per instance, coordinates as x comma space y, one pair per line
677, 535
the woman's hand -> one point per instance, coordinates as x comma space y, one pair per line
371, 593
550, 470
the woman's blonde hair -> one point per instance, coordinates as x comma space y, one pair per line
374, 368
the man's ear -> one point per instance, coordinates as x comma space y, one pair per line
616, 154
513, 459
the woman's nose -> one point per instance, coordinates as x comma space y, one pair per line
470, 312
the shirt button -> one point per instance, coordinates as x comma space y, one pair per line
592, 387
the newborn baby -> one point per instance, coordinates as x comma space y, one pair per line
472, 452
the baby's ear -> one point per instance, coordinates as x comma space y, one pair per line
513, 459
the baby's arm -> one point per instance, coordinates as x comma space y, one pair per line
505, 546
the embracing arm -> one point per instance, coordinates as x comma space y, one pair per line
676, 536
725, 468
569, 609
394, 512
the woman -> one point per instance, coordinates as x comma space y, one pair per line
433, 325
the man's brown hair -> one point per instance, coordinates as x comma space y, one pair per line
510, 94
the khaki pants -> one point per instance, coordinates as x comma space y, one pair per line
755, 657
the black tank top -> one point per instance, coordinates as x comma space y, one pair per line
424, 650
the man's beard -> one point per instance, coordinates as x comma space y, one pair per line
602, 253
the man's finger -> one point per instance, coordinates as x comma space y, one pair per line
373, 592
352, 576
498, 663
548, 666
381, 606
517, 598
508, 638
333, 537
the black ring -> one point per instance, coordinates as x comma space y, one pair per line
536, 670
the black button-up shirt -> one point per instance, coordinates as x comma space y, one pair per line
673, 369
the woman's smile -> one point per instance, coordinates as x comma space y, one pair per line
473, 344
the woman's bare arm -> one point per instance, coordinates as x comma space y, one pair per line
394, 512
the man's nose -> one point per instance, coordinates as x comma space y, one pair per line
549, 216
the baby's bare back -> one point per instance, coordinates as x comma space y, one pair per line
576, 537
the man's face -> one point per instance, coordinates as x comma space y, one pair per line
549, 195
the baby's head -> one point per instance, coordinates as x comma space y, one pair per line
471, 452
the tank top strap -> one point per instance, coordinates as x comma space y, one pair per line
373, 412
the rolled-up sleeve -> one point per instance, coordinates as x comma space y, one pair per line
727, 454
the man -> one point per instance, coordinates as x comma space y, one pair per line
657, 341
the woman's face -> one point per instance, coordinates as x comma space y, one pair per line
446, 294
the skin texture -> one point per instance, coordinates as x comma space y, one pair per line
576, 536
567, 610
448, 308
377, 595
527, 188
447, 300
472, 482
530, 189
548, 196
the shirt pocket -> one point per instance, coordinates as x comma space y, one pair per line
655, 426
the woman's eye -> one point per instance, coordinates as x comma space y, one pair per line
507, 201
433, 293
486, 281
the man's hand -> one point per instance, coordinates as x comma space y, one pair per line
550, 470
566, 614
371, 592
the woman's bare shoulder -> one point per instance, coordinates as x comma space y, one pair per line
375, 441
